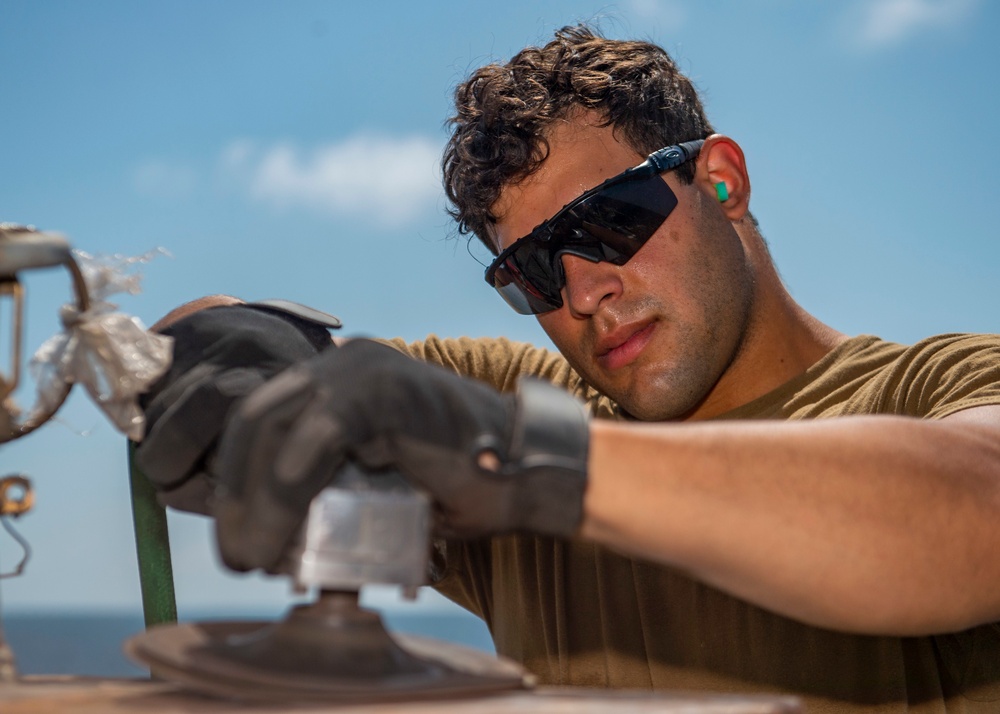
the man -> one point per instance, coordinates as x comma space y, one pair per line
797, 511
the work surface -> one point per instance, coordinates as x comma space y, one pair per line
42, 695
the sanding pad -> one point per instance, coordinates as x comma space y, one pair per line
307, 657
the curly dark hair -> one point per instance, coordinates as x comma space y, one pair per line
504, 111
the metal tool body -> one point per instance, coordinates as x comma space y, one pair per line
364, 532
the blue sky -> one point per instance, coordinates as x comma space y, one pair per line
290, 150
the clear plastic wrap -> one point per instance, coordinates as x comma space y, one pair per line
109, 353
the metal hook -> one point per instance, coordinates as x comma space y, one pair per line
16, 499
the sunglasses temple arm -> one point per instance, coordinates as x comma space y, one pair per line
673, 156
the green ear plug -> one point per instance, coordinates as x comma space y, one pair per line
721, 191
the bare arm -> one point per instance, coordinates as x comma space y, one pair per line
880, 525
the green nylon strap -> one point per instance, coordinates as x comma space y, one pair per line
152, 545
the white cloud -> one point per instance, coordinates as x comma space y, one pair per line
389, 180
669, 12
885, 23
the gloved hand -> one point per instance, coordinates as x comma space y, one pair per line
492, 463
221, 354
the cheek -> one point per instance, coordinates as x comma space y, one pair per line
570, 336
559, 327
693, 258
661, 264
657, 271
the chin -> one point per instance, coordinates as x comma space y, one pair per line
669, 400
652, 413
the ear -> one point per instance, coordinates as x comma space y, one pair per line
721, 161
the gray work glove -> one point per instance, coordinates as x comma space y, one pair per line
369, 403
221, 354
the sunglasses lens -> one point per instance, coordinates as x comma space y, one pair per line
614, 224
611, 225
526, 281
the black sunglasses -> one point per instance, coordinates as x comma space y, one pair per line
610, 222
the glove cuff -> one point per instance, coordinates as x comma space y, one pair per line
312, 323
549, 444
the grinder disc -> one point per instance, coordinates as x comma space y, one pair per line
328, 651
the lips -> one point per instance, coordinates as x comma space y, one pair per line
624, 346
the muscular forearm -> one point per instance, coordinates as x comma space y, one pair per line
882, 525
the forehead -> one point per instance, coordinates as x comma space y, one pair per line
581, 155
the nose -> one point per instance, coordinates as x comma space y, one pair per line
588, 284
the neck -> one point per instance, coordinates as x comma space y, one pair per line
782, 340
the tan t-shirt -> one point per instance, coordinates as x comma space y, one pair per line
578, 614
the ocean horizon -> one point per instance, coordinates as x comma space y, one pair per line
89, 643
